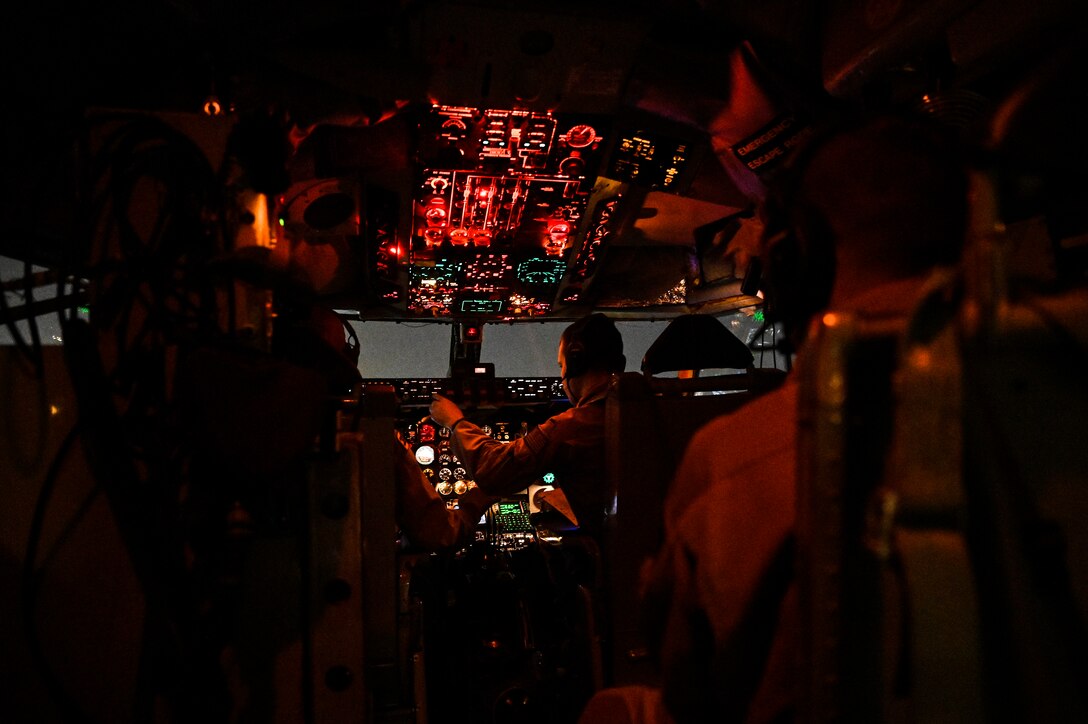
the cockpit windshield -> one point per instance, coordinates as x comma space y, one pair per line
421, 349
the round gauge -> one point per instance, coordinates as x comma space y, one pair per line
444, 432
435, 215
425, 455
444, 488
558, 232
572, 166
486, 429
445, 459
460, 487
428, 473
445, 474
460, 473
581, 136
460, 237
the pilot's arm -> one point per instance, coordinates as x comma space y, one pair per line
499, 468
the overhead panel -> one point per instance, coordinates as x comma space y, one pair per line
495, 215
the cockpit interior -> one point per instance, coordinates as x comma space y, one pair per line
247, 244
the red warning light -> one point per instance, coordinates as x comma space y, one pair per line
471, 333
426, 432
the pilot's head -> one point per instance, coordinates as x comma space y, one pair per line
317, 337
589, 349
865, 203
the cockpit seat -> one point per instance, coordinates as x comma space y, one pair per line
694, 345
941, 501
648, 423
695, 342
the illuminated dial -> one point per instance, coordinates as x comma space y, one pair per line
581, 136
445, 459
436, 216
572, 166
453, 129
444, 488
558, 232
445, 474
460, 473
425, 455
460, 487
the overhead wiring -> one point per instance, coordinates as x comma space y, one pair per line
155, 216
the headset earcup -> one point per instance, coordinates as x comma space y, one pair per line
799, 252
576, 358
799, 272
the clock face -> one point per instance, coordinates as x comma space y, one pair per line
425, 455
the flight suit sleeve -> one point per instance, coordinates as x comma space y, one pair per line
504, 468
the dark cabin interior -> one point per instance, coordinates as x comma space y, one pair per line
200, 178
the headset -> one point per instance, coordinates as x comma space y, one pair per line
577, 359
798, 247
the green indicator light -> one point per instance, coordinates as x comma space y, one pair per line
84, 310
549, 478
758, 316
282, 222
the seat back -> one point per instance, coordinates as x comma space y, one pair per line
696, 342
1025, 467
943, 571
648, 423
876, 531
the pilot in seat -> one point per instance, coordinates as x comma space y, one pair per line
570, 444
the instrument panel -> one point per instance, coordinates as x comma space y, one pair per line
501, 197
510, 408
472, 392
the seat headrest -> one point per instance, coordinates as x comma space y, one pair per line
696, 342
